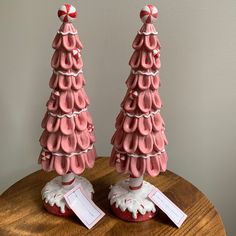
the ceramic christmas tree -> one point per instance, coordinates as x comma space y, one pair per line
139, 141
68, 138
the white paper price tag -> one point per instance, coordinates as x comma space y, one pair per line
83, 206
168, 207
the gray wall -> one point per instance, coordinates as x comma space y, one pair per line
198, 83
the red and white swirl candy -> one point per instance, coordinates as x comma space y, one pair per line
133, 94
90, 128
76, 53
156, 53
120, 158
67, 13
149, 14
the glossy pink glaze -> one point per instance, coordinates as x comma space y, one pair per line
63, 165
143, 82
65, 82
68, 101
139, 141
68, 136
139, 166
69, 41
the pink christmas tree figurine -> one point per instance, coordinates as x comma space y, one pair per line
68, 138
139, 141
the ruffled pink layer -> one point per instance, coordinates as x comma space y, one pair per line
147, 101
67, 125
68, 41
65, 61
63, 165
67, 27
143, 126
65, 82
75, 142
148, 28
139, 144
143, 82
149, 42
68, 101
144, 44
139, 166
144, 60
63, 58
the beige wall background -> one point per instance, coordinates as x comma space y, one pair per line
198, 83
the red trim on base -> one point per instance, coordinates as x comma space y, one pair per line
68, 183
132, 176
56, 210
127, 216
136, 188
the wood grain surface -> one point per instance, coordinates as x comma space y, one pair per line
22, 212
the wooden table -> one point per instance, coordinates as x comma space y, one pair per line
22, 212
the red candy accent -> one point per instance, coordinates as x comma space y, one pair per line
133, 94
127, 216
45, 155
156, 53
90, 128
120, 158
55, 93
76, 53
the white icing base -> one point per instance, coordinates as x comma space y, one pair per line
132, 200
53, 192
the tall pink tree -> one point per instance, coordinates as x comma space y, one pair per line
139, 140
68, 137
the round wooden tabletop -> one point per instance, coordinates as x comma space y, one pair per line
22, 211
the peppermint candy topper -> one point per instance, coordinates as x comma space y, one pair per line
67, 13
149, 14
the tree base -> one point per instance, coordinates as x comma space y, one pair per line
132, 205
54, 191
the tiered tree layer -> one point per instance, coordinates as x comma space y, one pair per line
68, 138
139, 141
